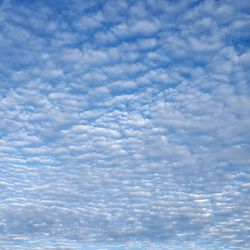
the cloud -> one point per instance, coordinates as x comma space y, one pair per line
124, 125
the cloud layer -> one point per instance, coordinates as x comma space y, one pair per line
124, 124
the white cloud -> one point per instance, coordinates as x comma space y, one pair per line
124, 123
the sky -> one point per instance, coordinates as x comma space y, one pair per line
124, 124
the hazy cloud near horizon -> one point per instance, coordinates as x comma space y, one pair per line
124, 124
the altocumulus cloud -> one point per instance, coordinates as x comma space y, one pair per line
124, 124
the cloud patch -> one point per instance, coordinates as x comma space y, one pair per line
124, 125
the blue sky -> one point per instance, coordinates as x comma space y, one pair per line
124, 124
